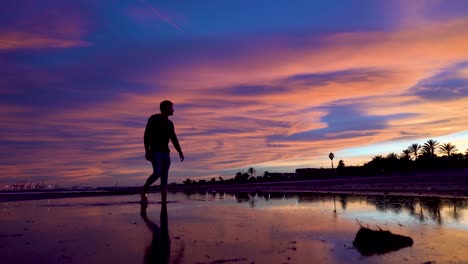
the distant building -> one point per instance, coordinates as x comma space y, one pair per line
282, 175
310, 173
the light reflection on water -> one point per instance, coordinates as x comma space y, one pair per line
237, 228
437, 210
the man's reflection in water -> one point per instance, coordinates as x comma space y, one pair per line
160, 249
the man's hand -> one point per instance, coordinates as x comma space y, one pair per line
181, 155
148, 155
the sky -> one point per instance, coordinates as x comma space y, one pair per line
274, 85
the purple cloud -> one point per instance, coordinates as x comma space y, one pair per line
447, 85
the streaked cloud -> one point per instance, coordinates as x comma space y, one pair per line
161, 16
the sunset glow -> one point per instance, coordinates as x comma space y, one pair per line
270, 85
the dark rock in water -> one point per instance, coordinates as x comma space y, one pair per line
369, 242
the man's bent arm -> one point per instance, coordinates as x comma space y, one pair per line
175, 142
174, 139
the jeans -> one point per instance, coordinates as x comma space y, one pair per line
161, 163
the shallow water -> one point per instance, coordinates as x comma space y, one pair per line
230, 228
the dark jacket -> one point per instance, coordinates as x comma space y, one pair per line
159, 130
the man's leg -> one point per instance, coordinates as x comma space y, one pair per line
156, 163
152, 178
166, 163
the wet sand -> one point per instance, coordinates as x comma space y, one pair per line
224, 228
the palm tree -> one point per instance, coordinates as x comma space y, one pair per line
392, 156
406, 154
430, 147
251, 171
331, 156
415, 148
448, 149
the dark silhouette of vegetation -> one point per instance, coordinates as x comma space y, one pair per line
406, 154
415, 149
188, 181
430, 147
429, 157
341, 165
448, 149
252, 172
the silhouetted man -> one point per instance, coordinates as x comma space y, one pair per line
159, 130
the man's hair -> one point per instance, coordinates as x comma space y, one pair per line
164, 105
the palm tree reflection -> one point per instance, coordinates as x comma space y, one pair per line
160, 249
422, 208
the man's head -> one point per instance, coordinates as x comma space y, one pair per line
166, 108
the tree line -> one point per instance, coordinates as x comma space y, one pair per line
432, 156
